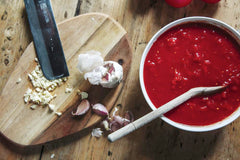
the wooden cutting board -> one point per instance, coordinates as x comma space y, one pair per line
92, 31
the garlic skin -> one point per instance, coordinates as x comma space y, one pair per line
97, 132
89, 60
117, 122
121, 120
114, 126
115, 111
108, 75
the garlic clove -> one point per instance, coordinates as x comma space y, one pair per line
82, 108
100, 109
106, 125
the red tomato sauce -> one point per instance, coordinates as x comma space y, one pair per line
194, 55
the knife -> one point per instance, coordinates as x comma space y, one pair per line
46, 39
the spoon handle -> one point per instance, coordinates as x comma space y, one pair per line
151, 116
163, 109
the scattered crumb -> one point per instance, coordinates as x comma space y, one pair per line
51, 107
78, 92
68, 89
19, 80
52, 156
33, 107
58, 113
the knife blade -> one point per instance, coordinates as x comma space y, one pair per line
46, 39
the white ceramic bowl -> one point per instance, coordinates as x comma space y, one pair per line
205, 20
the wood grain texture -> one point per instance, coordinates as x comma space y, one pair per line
141, 19
80, 34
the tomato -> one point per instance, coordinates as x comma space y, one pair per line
211, 1
178, 3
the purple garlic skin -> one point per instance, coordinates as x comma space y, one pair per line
100, 109
118, 122
114, 125
82, 108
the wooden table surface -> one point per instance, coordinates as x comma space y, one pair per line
157, 140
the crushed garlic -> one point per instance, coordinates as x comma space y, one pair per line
68, 90
40, 94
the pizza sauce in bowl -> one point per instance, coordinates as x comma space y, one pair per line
193, 52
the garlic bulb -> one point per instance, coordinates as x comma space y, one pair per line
98, 72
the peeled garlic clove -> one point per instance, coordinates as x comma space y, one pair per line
82, 108
106, 125
100, 109
89, 60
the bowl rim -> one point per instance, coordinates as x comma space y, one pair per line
217, 23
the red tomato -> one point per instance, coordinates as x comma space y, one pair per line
211, 1
178, 3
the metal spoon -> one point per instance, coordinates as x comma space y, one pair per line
199, 91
